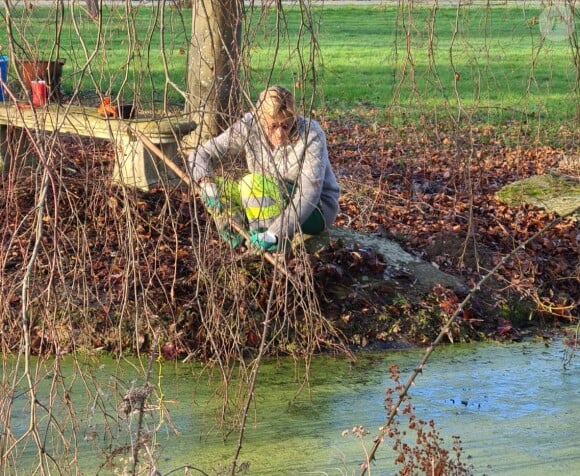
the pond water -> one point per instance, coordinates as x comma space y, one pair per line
515, 407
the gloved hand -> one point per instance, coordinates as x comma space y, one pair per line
264, 241
231, 238
210, 197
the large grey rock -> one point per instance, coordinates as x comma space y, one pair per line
556, 193
420, 274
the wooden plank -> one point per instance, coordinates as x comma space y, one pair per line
85, 121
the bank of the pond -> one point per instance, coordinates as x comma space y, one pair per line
120, 270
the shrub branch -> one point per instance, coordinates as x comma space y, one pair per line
370, 457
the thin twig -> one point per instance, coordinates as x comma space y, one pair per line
254, 376
141, 410
188, 467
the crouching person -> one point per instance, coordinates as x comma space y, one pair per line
290, 187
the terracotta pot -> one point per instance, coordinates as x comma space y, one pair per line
42, 70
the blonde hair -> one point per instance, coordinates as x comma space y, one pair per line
276, 101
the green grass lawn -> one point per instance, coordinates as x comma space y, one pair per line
357, 60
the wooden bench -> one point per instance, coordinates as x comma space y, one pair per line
135, 165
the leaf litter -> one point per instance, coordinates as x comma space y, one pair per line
433, 192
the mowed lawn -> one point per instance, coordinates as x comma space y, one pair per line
484, 63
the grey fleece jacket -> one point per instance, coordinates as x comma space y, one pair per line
303, 162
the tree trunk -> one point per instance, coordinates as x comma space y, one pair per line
93, 8
214, 65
